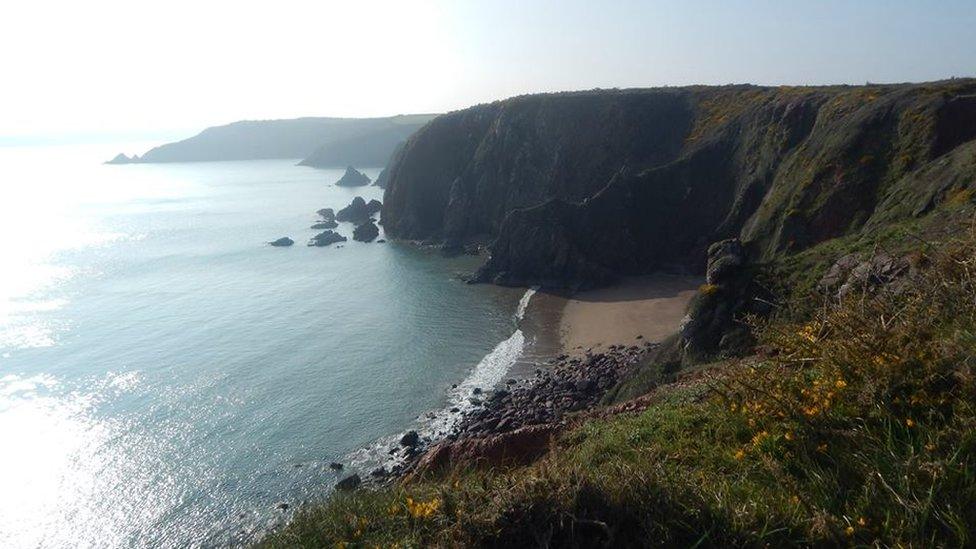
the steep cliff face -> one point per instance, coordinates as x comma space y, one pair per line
575, 189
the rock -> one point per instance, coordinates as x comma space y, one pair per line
324, 225
379, 472
356, 212
283, 241
476, 391
335, 466
517, 447
374, 206
410, 438
349, 483
724, 258
282, 506
325, 238
327, 214
367, 232
381, 241
352, 178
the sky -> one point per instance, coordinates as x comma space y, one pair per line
135, 69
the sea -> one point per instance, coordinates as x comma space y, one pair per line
167, 379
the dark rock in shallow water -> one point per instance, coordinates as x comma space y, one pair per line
325, 238
283, 241
349, 483
366, 232
410, 438
356, 212
381, 241
325, 225
352, 178
282, 506
327, 214
373, 206
335, 466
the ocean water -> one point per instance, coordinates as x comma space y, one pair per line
166, 378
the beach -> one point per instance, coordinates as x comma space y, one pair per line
646, 307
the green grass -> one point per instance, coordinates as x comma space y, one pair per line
854, 426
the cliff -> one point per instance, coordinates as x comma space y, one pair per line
322, 142
575, 189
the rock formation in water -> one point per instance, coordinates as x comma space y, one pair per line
352, 178
283, 241
366, 232
324, 225
326, 238
357, 212
576, 189
327, 214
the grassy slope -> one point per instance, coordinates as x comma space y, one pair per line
856, 426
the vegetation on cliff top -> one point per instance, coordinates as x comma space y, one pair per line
853, 426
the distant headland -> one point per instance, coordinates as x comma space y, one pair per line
319, 142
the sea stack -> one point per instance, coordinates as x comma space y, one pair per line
357, 212
367, 232
352, 178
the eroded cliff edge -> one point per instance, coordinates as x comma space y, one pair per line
575, 189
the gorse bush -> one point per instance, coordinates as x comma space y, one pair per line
867, 410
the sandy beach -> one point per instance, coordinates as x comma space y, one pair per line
648, 306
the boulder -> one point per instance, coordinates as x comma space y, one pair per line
518, 447
352, 178
283, 241
367, 232
410, 438
325, 225
335, 466
325, 238
349, 483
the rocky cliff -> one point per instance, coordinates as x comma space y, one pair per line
575, 189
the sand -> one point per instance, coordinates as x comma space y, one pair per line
648, 306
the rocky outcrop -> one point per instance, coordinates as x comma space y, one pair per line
711, 324
283, 241
352, 178
324, 225
327, 214
357, 212
367, 232
575, 189
326, 238
855, 273
349, 483
517, 447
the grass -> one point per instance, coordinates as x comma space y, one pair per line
855, 426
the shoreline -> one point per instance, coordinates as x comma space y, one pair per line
577, 347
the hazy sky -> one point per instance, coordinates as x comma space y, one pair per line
145, 68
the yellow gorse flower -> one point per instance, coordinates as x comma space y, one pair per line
420, 509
